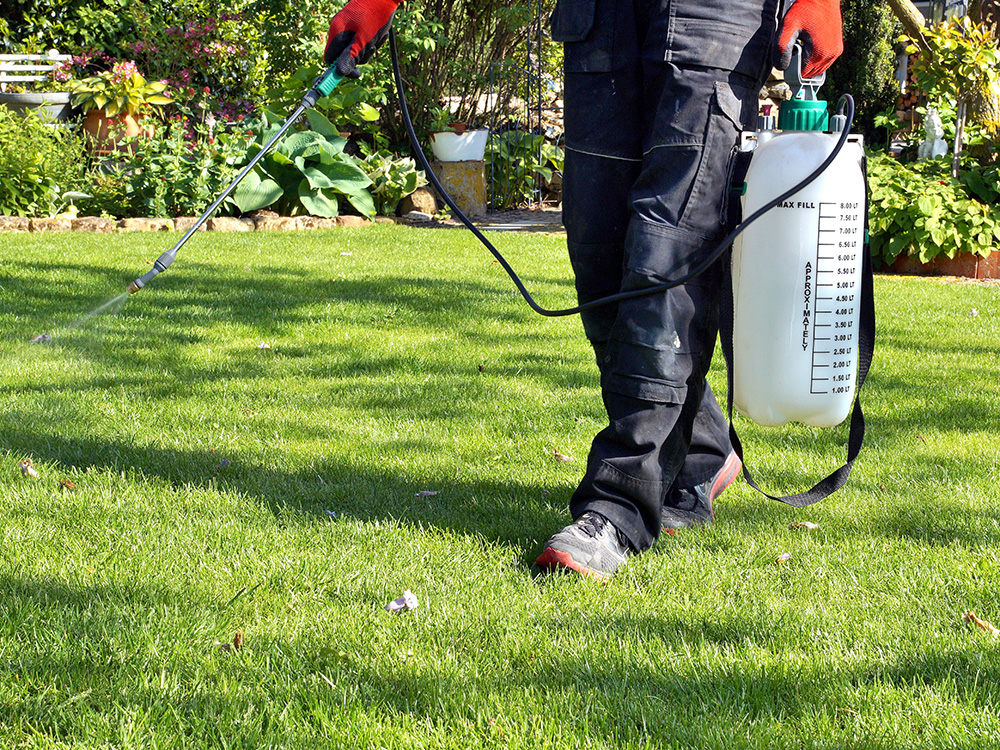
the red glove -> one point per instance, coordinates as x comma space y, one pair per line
356, 32
816, 25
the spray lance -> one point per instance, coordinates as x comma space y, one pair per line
321, 87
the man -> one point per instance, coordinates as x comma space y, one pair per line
656, 93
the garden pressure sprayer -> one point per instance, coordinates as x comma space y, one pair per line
797, 324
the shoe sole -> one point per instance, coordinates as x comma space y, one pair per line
553, 559
726, 476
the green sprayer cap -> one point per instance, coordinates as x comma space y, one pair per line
799, 114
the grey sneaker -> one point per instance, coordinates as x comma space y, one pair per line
687, 507
591, 546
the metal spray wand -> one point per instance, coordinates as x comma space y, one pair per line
321, 87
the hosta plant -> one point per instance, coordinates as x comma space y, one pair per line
306, 172
121, 90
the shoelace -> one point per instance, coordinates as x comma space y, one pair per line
592, 524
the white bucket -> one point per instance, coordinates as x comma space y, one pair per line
467, 146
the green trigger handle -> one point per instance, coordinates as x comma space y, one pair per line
322, 86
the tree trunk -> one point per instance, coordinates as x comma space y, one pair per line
986, 12
912, 20
959, 137
985, 103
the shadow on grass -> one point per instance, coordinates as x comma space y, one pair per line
151, 331
604, 695
512, 512
186, 306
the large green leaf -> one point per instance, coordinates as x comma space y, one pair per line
300, 144
362, 200
254, 193
319, 202
367, 112
315, 176
279, 158
344, 176
271, 118
321, 124
330, 151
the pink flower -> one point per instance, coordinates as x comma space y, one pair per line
122, 71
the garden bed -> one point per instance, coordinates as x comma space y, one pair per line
966, 265
264, 222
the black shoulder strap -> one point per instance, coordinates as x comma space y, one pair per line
866, 348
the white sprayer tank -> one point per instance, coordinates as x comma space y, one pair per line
797, 283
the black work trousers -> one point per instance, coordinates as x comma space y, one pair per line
656, 93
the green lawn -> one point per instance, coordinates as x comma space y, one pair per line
282, 493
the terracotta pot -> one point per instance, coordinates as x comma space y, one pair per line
105, 134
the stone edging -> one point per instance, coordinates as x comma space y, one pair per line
183, 224
965, 265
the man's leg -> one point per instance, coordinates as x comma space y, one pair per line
659, 346
710, 466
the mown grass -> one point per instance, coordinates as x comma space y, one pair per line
205, 471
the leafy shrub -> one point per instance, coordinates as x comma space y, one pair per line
306, 172
519, 164
959, 68
38, 163
919, 210
867, 70
187, 43
214, 61
121, 89
66, 25
350, 106
170, 173
393, 178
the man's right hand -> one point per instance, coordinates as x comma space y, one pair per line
356, 32
817, 26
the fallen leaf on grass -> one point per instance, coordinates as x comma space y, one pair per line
236, 645
971, 617
65, 484
407, 601
41, 338
334, 654
28, 469
804, 525
784, 558
427, 493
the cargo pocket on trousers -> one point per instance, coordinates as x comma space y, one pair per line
704, 212
586, 29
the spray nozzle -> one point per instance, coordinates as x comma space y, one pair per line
160, 264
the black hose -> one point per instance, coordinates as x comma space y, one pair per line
699, 269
